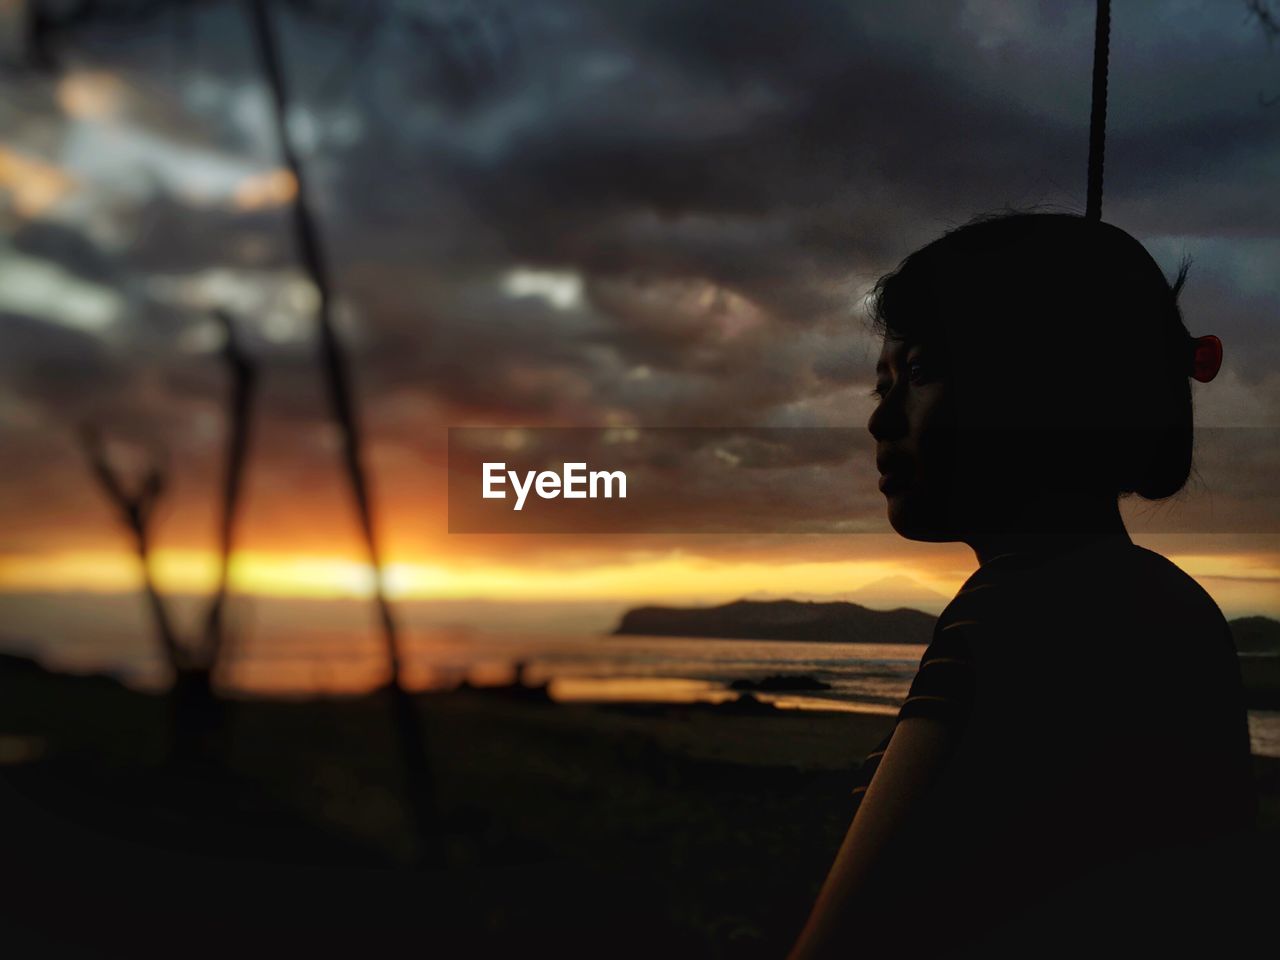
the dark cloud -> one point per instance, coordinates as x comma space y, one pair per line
69, 249
715, 185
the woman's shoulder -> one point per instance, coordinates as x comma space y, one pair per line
1175, 585
1165, 604
1122, 576
1116, 598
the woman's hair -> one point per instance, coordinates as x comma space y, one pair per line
1048, 321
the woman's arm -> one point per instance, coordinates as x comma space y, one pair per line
916, 754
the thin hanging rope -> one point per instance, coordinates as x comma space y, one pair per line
1098, 111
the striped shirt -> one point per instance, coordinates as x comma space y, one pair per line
944, 684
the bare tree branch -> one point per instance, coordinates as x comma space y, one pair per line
136, 511
409, 723
244, 377
332, 357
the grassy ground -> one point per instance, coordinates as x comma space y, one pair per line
571, 829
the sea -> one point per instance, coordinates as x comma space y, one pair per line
292, 656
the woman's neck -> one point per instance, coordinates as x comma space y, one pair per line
1056, 531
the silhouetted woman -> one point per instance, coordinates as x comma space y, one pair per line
1073, 754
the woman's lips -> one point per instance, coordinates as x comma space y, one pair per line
892, 483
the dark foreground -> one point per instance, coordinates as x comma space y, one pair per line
567, 830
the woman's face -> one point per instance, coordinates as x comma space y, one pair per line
914, 429
964, 458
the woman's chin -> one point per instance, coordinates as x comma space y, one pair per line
911, 522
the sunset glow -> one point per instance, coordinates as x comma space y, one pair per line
1243, 581
280, 575
273, 188
33, 185
90, 95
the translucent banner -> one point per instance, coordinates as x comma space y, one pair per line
779, 480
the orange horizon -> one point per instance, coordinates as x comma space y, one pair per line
1239, 580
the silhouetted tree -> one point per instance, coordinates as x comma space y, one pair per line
464, 52
196, 709
409, 724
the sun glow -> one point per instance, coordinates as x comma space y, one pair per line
261, 191
90, 95
1246, 583
677, 576
32, 185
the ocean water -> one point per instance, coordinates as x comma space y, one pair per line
581, 665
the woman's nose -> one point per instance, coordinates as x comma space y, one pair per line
886, 421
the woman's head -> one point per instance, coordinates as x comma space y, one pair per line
1028, 359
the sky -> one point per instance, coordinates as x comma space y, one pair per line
621, 215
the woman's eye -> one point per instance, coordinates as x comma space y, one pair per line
916, 371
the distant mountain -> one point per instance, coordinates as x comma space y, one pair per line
835, 621
1256, 635
887, 593
897, 591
